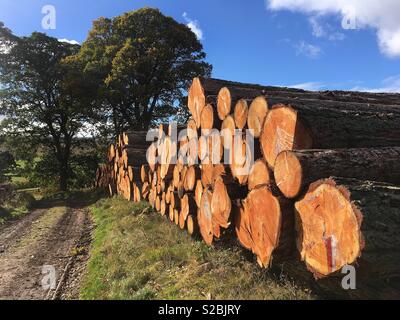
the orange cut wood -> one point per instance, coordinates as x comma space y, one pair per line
241, 113
265, 216
220, 204
242, 226
328, 226
196, 100
191, 129
259, 175
224, 103
256, 116
282, 131
207, 117
205, 217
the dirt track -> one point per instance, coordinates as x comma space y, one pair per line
56, 235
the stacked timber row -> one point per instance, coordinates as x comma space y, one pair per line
320, 189
120, 174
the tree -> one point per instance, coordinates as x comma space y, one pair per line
44, 95
144, 62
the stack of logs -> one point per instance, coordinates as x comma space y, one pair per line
319, 186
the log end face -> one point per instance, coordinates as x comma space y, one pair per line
282, 131
288, 174
329, 230
224, 102
257, 112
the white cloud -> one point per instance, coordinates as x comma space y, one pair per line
383, 16
324, 30
194, 26
312, 86
317, 28
69, 41
390, 84
307, 49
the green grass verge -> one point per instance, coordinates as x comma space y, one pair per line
16, 206
137, 254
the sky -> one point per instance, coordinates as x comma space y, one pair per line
310, 44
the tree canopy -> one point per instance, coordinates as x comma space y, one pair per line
44, 94
143, 63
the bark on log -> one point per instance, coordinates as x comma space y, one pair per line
295, 170
328, 125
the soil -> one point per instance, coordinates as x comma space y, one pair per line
55, 237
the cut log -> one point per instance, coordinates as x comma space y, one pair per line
192, 226
227, 133
220, 204
152, 156
241, 113
145, 190
198, 193
296, 170
158, 203
176, 177
336, 218
176, 217
204, 217
259, 175
137, 194
224, 103
196, 100
242, 160
271, 225
182, 221
207, 172
171, 213
144, 173
242, 225
209, 118
257, 112
328, 125
188, 206
192, 129
193, 173
163, 205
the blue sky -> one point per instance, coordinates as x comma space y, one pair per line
274, 42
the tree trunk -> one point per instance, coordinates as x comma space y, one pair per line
295, 170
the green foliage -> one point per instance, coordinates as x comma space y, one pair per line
137, 254
142, 62
15, 204
7, 164
45, 97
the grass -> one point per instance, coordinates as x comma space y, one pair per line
19, 204
137, 254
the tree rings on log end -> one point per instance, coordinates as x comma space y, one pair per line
283, 130
288, 174
224, 102
257, 112
328, 227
